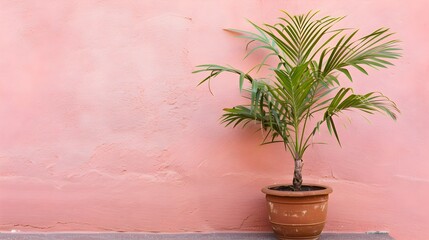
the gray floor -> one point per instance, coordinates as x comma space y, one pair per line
192, 236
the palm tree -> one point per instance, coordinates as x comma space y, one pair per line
310, 56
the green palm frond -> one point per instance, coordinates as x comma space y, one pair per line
312, 59
369, 103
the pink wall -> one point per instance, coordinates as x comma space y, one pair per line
103, 129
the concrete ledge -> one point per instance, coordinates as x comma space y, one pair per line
184, 236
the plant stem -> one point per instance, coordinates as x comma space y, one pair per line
297, 140
297, 175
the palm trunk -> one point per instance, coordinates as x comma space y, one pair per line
297, 176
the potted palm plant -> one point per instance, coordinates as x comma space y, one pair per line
302, 93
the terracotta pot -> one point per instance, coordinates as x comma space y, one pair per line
297, 215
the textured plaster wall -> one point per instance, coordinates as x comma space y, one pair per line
103, 128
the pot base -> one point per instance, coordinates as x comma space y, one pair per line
293, 232
312, 238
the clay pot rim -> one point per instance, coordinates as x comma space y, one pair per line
327, 190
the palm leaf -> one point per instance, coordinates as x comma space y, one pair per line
312, 57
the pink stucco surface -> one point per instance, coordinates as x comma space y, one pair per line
103, 128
